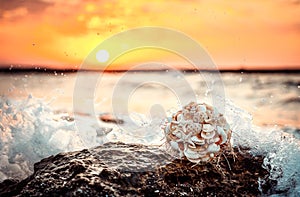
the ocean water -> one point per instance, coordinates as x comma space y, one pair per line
46, 113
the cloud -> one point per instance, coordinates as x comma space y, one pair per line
31, 5
16, 8
295, 2
18, 12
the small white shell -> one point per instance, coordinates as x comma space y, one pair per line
167, 129
214, 140
198, 141
202, 108
202, 153
213, 148
191, 154
194, 160
208, 120
179, 117
172, 137
192, 146
222, 133
209, 135
203, 113
174, 145
177, 133
194, 128
196, 118
193, 108
207, 128
175, 122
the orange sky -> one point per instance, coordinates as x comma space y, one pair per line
60, 34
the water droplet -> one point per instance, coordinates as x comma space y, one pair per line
207, 92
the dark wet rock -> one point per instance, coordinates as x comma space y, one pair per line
110, 119
118, 169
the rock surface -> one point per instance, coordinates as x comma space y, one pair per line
118, 169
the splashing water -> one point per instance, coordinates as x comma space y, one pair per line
31, 130
281, 150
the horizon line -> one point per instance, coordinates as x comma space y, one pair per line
49, 70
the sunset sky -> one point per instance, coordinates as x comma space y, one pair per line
251, 34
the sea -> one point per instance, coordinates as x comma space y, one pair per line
45, 113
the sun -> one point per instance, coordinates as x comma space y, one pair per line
102, 56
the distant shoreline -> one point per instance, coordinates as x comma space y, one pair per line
45, 70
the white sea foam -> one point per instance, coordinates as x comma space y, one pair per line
281, 150
30, 131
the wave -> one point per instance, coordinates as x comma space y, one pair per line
292, 100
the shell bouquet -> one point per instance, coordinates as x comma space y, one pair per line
197, 132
